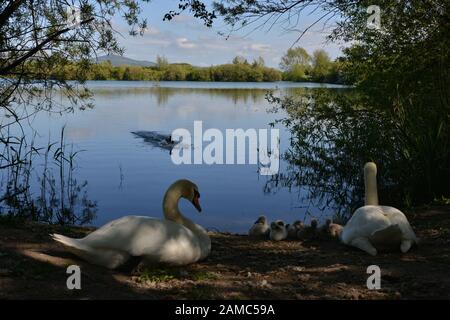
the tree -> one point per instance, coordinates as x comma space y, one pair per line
175, 73
42, 44
295, 57
402, 66
161, 62
270, 74
37, 37
259, 62
241, 14
321, 66
296, 64
239, 60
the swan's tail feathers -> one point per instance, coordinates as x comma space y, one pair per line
73, 245
65, 240
108, 258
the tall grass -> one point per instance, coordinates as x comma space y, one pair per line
61, 198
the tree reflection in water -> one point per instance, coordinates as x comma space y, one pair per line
333, 133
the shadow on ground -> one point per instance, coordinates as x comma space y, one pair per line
34, 267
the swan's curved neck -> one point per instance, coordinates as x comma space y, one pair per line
171, 211
370, 184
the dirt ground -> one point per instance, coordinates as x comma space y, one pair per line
32, 266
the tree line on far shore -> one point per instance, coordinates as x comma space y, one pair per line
296, 65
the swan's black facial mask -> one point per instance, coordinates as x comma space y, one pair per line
196, 202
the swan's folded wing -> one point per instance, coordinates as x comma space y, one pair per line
154, 239
364, 222
118, 234
168, 242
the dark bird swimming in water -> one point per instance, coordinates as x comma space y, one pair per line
156, 139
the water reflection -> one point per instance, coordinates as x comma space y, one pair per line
333, 133
163, 94
128, 176
57, 197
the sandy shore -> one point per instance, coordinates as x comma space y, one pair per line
33, 266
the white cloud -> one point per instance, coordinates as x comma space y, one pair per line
203, 47
259, 47
152, 31
185, 43
186, 39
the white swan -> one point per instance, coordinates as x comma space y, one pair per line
260, 228
278, 231
175, 240
375, 227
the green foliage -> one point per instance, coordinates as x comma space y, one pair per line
175, 73
297, 73
321, 66
199, 74
238, 71
299, 66
258, 62
161, 62
271, 74
239, 60
404, 67
334, 132
295, 57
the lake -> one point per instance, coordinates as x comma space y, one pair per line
127, 175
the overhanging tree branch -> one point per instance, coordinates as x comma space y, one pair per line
5, 70
9, 10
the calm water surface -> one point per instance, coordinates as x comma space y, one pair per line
127, 175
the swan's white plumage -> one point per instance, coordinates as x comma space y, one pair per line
368, 220
155, 240
373, 226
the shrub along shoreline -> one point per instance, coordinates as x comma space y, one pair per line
238, 71
170, 72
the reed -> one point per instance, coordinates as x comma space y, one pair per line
59, 197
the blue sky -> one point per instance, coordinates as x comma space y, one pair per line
186, 39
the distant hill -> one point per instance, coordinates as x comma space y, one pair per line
119, 61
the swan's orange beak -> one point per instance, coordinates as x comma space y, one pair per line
196, 204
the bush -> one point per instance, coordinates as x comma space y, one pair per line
237, 72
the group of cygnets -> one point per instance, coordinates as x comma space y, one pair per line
371, 228
278, 230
